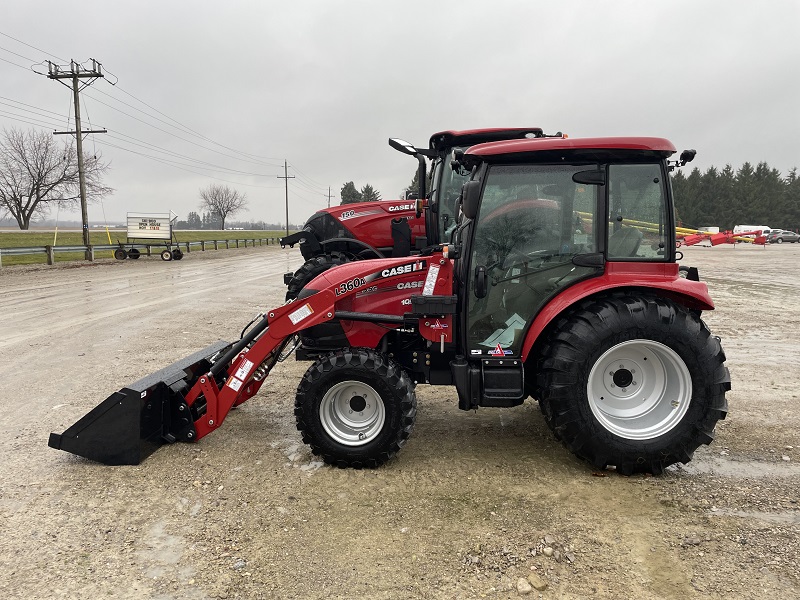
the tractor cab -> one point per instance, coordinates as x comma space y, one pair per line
542, 224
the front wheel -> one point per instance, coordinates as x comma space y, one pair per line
355, 408
311, 268
166, 255
633, 381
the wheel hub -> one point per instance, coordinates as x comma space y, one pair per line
639, 389
622, 377
352, 413
358, 404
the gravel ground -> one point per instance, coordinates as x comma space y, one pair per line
479, 504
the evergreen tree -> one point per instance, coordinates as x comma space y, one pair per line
349, 194
193, 221
752, 195
412, 191
368, 194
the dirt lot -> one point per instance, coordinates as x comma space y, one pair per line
474, 503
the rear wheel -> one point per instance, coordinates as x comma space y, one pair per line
134, 253
177, 254
636, 382
120, 254
311, 268
355, 408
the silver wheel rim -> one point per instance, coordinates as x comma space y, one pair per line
352, 413
639, 389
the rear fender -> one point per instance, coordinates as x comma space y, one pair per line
660, 279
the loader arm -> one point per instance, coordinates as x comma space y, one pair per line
237, 376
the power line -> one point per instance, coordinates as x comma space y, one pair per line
22, 119
168, 132
13, 63
30, 106
141, 143
42, 118
34, 47
15, 54
189, 129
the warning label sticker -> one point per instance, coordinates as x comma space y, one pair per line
430, 281
234, 384
301, 313
244, 369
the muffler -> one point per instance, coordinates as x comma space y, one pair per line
135, 421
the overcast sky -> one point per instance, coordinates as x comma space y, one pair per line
324, 84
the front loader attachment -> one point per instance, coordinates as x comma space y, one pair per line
191, 398
134, 422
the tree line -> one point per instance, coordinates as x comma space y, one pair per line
724, 198
209, 220
349, 194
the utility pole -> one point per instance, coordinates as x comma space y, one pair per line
286, 177
77, 71
329, 196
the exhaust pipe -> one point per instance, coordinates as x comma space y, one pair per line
135, 421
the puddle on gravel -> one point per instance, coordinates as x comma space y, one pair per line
731, 467
780, 518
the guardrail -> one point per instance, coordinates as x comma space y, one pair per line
147, 249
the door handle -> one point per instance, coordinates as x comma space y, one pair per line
480, 281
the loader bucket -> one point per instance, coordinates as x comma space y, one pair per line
135, 421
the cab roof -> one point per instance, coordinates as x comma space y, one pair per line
598, 148
471, 137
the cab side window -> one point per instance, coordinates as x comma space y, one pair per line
637, 219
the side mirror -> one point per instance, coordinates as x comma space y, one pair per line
470, 198
403, 146
687, 156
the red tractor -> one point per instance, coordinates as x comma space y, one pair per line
341, 234
560, 283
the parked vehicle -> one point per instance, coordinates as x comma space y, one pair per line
750, 230
778, 236
364, 230
549, 288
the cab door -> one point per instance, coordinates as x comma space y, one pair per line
533, 220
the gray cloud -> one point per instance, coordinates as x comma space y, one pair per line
323, 84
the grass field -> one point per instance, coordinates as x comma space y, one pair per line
34, 238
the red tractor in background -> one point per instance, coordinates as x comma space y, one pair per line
341, 234
550, 288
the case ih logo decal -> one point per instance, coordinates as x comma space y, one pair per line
404, 269
357, 282
401, 207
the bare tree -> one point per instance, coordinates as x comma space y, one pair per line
220, 200
37, 173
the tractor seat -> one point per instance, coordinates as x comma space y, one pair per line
624, 242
